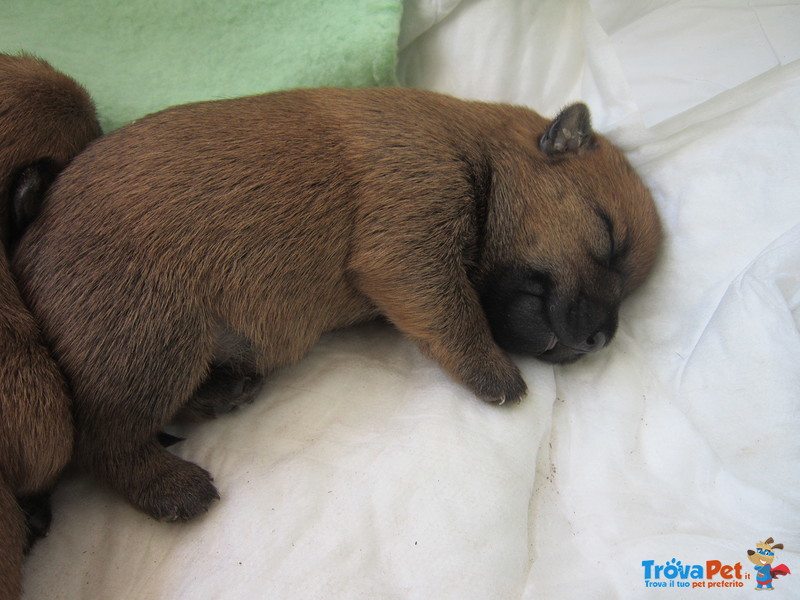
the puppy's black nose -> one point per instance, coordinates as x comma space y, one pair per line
593, 343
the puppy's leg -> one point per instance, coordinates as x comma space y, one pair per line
452, 330
12, 544
159, 483
154, 480
428, 296
119, 411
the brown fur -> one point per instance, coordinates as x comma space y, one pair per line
43, 115
185, 256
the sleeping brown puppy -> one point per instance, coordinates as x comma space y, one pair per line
184, 257
45, 119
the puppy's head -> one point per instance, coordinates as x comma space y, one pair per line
570, 231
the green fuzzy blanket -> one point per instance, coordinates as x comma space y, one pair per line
138, 56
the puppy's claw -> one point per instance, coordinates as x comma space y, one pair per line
171, 516
503, 399
499, 391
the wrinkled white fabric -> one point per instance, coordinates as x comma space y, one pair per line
365, 472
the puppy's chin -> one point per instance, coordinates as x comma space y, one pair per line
561, 355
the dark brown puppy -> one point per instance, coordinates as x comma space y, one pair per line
205, 246
45, 119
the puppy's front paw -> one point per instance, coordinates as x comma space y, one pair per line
497, 381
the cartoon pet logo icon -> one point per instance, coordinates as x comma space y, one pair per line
762, 557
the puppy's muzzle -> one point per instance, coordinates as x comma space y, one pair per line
526, 317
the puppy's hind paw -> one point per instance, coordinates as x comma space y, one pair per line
180, 494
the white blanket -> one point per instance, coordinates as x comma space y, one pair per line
365, 472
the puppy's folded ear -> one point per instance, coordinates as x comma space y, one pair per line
26, 196
570, 132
